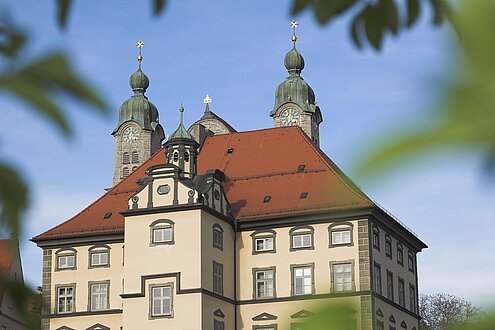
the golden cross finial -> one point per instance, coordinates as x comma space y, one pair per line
294, 25
140, 45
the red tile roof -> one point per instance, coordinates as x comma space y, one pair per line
261, 163
6, 257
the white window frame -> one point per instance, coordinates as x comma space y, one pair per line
161, 297
265, 244
267, 282
163, 231
100, 255
301, 237
264, 241
66, 297
162, 226
67, 264
336, 240
343, 271
306, 277
98, 296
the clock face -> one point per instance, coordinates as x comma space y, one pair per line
130, 134
289, 117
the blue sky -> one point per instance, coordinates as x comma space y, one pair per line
234, 51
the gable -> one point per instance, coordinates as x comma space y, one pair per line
264, 317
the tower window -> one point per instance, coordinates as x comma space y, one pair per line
125, 172
186, 156
134, 168
176, 156
135, 157
125, 158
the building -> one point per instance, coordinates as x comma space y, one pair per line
10, 268
221, 229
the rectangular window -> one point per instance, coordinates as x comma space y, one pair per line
410, 262
341, 237
264, 283
342, 277
218, 325
265, 327
67, 261
388, 247
412, 298
217, 278
300, 241
376, 239
217, 238
161, 301
402, 295
377, 272
65, 298
390, 286
303, 280
99, 296
379, 325
162, 235
263, 244
400, 255
99, 258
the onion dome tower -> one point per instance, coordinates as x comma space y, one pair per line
138, 134
295, 103
181, 149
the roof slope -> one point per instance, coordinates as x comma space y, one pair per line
6, 258
261, 163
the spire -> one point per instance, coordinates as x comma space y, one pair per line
294, 62
207, 100
139, 81
181, 132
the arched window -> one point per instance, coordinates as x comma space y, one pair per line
66, 259
99, 256
218, 236
125, 172
135, 157
301, 238
162, 232
186, 156
410, 261
176, 156
340, 234
134, 168
376, 238
388, 246
264, 241
400, 254
125, 158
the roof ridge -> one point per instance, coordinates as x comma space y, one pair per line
273, 174
331, 166
110, 191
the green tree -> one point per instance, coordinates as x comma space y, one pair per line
443, 311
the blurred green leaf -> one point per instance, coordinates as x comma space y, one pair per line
412, 12
26, 301
38, 83
11, 40
466, 112
13, 199
299, 5
373, 23
391, 16
63, 8
158, 6
326, 10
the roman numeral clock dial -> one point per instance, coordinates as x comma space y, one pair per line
130, 134
289, 117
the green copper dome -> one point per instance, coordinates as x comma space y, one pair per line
181, 132
294, 62
294, 89
139, 81
138, 108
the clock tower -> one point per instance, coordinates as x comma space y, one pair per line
138, 134
295, 102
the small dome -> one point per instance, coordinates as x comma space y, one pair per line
139, 81
294, 62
